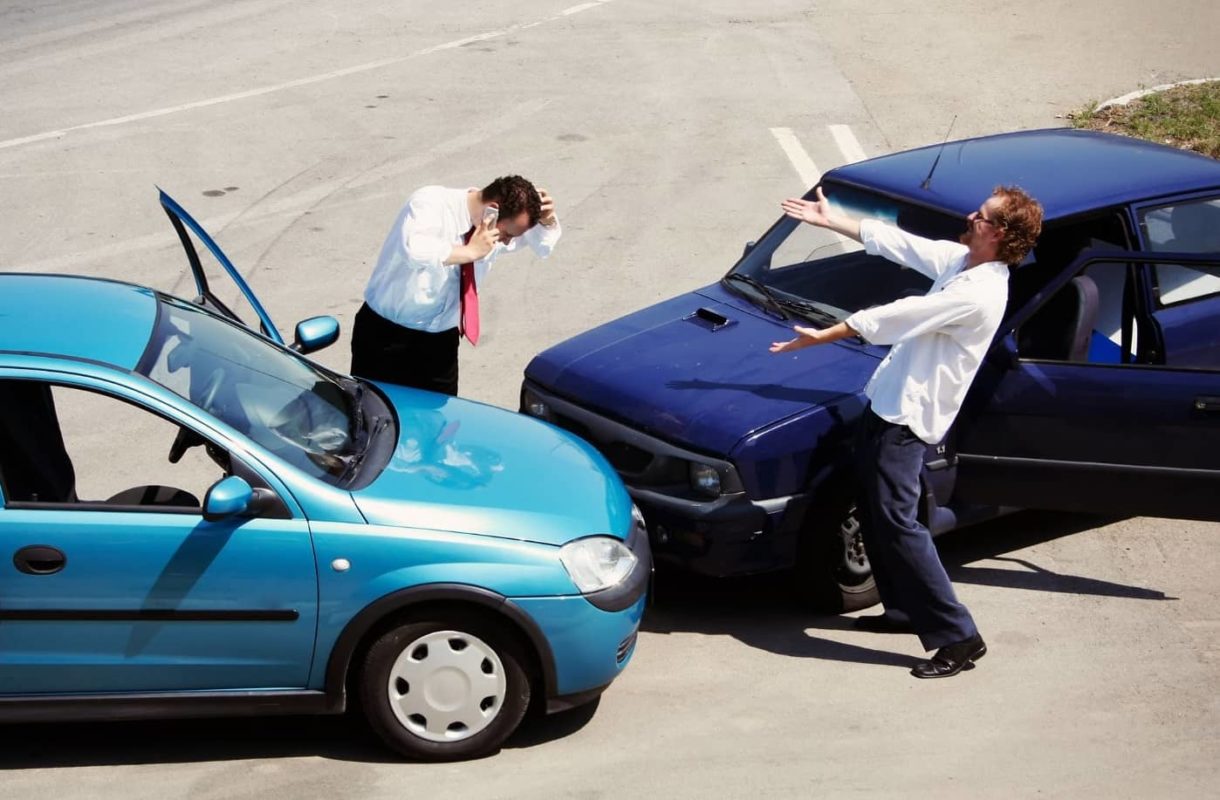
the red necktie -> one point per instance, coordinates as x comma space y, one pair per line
469, 294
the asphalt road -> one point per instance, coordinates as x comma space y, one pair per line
668, 133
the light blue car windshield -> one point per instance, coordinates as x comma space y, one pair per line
288, 405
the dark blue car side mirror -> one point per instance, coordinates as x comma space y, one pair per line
315, 333
226, 498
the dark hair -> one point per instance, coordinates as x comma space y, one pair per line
1020, 217
514, 194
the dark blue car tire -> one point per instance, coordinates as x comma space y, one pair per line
832, 572
445, 688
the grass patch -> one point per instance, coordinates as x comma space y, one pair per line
1184, 116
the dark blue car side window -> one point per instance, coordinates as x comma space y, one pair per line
1188, 226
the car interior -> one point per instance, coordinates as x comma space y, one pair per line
1083, 321
35, 461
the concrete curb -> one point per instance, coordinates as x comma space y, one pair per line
1127, 98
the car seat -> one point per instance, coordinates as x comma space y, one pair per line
1063, 327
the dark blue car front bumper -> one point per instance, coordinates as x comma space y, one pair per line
731, 535
726, 535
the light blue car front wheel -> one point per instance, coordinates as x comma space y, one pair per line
449, 687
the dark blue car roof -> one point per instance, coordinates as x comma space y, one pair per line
1068, 171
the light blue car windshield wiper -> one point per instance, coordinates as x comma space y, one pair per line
357, 397
771, 304
355, 459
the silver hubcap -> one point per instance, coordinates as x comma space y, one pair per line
446, 686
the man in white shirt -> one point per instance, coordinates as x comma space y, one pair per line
422, 296
938, 342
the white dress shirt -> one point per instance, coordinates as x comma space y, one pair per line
939, 339
411, 284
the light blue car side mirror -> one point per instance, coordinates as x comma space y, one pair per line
226, 498
315, 333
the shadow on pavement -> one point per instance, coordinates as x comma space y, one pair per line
763, 610
960, 549
45, 745
339, 738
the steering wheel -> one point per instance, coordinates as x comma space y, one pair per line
185, 440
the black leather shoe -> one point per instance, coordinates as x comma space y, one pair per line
952, 659
882, 623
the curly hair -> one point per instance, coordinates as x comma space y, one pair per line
1020, 218
514, 194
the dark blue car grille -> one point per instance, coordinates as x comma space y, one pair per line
625, 457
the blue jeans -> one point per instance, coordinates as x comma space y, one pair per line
911, 581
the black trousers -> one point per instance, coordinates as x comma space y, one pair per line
911, 580
386, 351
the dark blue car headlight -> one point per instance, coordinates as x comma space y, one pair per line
705, 479
535, 406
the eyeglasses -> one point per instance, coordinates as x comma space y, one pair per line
978, 215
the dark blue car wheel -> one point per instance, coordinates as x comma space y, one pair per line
833, 573
445, 688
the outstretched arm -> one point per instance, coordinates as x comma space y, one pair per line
817, 212
811, 336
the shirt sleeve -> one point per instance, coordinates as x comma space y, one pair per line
423, 239
909, 317
540, 238
929, 256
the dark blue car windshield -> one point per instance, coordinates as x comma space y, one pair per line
833, 274
289, 406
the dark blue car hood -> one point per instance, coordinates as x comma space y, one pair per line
666, 372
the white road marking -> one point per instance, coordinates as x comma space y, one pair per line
279, 87
580, 8
809, 172
849, 146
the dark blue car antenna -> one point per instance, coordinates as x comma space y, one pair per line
928, 180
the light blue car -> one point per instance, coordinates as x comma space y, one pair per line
197, 520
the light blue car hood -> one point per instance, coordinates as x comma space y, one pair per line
468, 467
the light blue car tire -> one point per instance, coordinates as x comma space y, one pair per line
445, 688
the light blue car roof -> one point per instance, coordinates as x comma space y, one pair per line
76, 317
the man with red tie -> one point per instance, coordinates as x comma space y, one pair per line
423, 294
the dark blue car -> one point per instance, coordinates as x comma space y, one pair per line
1101, 392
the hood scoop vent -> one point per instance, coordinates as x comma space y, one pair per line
713, 321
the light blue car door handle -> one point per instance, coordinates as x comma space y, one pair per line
39, 559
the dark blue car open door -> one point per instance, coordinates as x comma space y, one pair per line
1109, 427
186, 225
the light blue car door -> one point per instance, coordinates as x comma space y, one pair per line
111, 580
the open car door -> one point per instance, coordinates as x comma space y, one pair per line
1105, 426
184, 222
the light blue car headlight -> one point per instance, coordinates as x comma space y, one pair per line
597, 562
